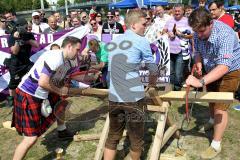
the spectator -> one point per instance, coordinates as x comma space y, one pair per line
218, 52
84, 18
151, 32
217, 11
37, 26
119, 18
10, 16
2, 25
29, 26
60, 20
160, 19
95, 28
188, 11
99, 19
111, 26
76, 22
53, 27
98, 48
73, 13
20, 63
55, 47
42, 16
175, 27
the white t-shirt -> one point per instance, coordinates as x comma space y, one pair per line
47, 63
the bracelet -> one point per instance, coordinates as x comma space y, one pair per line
202, 81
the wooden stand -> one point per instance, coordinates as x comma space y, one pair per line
160, 102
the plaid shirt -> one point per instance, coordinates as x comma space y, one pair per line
222, 47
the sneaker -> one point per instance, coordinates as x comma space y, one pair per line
65, 134
206, 127
210, 153
237, 107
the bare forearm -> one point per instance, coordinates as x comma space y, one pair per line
215, 74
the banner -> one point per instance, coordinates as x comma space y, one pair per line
160, 50
45, 41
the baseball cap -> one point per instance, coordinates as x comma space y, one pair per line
35, 14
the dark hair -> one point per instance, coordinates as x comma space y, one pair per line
54, 45
188, 7
199, 18
219, 3
71, 40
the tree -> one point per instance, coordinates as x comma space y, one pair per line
62, 3
36, 4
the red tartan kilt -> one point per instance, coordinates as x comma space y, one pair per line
27, 118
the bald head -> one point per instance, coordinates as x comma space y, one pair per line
52, 22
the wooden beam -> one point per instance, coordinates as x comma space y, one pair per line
155, 108
170, 131
217, 97
154, 96
7, 124
88, 92
172, 157
157, 143
102, 141
86, 137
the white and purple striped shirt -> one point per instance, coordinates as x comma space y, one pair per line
47, 63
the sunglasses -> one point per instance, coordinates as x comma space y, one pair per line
36, 17
109, 16
117, 15
99, 16
93, 23
148, 18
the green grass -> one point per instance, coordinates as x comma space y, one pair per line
87, 116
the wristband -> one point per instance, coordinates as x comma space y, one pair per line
202, 81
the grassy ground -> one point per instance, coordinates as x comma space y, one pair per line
86, 115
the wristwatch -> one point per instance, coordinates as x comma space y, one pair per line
202, 81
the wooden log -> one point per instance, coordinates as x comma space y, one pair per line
154, 96
155, 108
172, 157
88, 92
170, 131
156, 147
102, 141
7, 124
86, 137
217, 97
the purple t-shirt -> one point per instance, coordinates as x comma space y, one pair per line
181, 25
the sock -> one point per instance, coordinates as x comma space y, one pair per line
61, 127
216, 145
211, 120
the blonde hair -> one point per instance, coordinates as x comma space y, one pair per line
133, 16
93, 44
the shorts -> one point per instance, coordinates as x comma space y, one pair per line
228, 83
130, 115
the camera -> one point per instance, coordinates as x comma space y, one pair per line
20, 25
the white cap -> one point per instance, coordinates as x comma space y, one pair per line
35, 14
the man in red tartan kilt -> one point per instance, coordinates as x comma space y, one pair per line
38, 85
